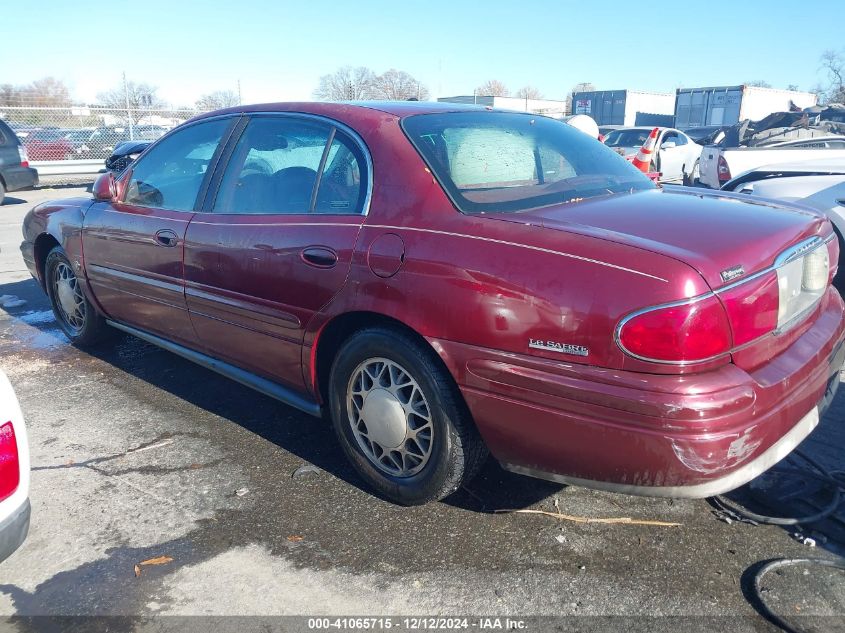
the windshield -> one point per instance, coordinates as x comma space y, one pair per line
626, 138
501, 161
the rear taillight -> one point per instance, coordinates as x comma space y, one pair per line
723, 170
10, 469
711, 325
691, 331
24, 156
803, 278
752, 307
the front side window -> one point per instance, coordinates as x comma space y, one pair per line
170, 175
499, 161
279, 162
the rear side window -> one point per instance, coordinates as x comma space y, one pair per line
498, 161
290, 165
170, 175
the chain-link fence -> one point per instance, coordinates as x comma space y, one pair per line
71, 144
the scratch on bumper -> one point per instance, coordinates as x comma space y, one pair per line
731, 481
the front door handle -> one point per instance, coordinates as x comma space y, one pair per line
166, 237
319, 256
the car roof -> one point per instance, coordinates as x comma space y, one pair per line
399, 109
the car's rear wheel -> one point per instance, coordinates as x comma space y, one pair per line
75, 314
2, 192
400, 418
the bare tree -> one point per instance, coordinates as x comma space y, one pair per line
833, 64
346, 84
492, 88
141, 97
397, 85
758, 83
217, 100
793, 87
820, 92
584, 86
48, 92
529, 92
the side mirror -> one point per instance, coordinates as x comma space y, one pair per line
105, 187
668, 145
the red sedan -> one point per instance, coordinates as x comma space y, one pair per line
48, 144
443, 280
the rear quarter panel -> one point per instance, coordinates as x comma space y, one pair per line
61, 220
489, 283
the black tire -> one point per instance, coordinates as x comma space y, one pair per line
2, 192
690, 180
456, 450
86, 327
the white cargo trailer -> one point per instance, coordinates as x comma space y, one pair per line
625, 107
726, 105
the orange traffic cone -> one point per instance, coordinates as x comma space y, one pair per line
643, 159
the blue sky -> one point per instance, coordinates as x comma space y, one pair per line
278, 50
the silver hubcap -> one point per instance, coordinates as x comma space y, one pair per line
390, 417
69, 298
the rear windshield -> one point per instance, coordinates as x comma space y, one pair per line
627, 138
502, 161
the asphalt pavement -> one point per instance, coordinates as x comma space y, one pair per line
138, 455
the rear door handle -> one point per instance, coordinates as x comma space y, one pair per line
166, 237
319, 256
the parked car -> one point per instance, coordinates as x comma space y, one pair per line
102, 141
677, 155
124, 154
718, 164
443, 280
15, 172
14, 472
77, 139
819, 184
48, 144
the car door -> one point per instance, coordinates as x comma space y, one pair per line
134, 245
671, 155
275, 244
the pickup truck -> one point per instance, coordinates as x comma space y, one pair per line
719, 164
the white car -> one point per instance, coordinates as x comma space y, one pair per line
718, 165
676, 158
819, 184
14, 472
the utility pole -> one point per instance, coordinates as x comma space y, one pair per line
239, 93
128, 111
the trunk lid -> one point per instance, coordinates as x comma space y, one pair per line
712, 232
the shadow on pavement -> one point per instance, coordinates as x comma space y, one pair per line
297, 433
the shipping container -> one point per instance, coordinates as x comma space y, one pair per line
726, 105
625, 107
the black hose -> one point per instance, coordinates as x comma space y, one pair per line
777, 564
834, 479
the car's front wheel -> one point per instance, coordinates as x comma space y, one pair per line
400, 418
75, 314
